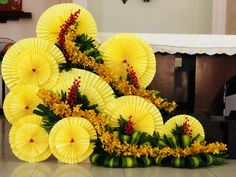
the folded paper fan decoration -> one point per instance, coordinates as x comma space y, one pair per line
21, 101
30, 119
97, 90
128, 49
144, 115
32, 61
150, 70
70, 138
179, 120
49, 23
30, 143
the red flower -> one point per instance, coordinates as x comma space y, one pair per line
64, 29
186, 126
129, 126
132, 76
73, 92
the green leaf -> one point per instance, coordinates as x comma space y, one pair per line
128, 162
193, 162
87, 46
49, 118
113, 162
178, 162
125, 138
186, 140
85, 104
135, 137
198, 138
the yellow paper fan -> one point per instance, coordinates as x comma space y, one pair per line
81, 158
88, 152
32, 169
135, 51
145, 116
30, 143
96, 89
32, 61
70, 138
84, 123
33, 119
30, 119
21, 101
49, 23
71, 171
150, 71
179, 120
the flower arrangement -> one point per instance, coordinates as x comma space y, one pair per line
78, 58
93, 111
126, 147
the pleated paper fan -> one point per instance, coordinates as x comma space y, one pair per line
48, 26
96, 89
135, 51
145, 116
88, 152
84, 123
71, 171
29, 169
32, 119
30, 143
21, 101
69, 139
32, 61
70, 144
150, 71
179, 120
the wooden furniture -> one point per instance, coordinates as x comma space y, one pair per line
208, 61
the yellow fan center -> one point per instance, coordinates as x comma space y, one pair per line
34, 69
72, 143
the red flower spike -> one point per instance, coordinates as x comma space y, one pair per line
129, 126
72, 94
132, 75
64, 29
186, 126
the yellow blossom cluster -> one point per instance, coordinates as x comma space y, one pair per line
195, 149
63, 109
112, 144
118, 84
48, 97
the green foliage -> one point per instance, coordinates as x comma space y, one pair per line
87, 46
122, 123
68, 66
178, 131
81, 100
49, 118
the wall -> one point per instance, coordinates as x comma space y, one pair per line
157, 16
219, 11
24, 28
81, 2
231, 15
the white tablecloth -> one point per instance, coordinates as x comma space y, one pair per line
186, 43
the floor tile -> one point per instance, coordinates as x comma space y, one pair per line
106, 172
226, 170
167, 172
16, 169
10, 166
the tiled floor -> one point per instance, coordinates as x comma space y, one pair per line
12, 167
